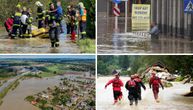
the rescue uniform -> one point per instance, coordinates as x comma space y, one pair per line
83, 13
155, 82
8, 24
133, 93
139, 84
117, 84
16, 25
40, 17
54, 30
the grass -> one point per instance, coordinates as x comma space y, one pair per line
46, 74
87, 45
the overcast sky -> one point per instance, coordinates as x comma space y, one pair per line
49, 56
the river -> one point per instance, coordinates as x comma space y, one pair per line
170, 98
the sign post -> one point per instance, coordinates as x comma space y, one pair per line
116, 17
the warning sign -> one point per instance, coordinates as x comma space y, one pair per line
140, 17
188, 6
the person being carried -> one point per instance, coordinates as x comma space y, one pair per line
8, 24
154, 83
117, 84
139, 84
133, 93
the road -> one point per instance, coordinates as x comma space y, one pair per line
170, 98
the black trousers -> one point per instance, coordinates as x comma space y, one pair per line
117, 94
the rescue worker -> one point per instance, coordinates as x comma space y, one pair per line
54, 26
82, 22
8, 24
117, 84
154, 83
40, 14
24, 18
139, 84
29, 23
133, 93
16, 22
68, 15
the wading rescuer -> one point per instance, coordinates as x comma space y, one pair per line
54, 30
154, 31
117, 84
139, 84
16, 22
40, 14
133, 92
154, 83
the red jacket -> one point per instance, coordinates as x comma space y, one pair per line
9, 23
116, 83
155, 82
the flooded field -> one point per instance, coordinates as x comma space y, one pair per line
109, 42
14, 100
170, 98
35, 45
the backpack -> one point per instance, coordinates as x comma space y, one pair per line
131, 83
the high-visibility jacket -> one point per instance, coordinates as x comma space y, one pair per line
17, 19
40, 13
84, 15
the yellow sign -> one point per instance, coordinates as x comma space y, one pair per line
140, 17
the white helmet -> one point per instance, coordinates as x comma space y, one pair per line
81, 5
38, 3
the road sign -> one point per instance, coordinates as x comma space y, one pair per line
117, 1
188, 6
116, 11
140, 17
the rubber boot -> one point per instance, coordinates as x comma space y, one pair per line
52, 44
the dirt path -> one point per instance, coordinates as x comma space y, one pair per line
170, 98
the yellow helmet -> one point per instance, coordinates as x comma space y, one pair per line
18, 6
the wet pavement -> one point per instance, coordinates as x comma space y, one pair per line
109, 42
36, 45
170, 98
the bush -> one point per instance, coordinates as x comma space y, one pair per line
178, 79
30, 98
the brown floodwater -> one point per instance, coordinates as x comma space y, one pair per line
170, 98
14, 100
109, 42
35, 45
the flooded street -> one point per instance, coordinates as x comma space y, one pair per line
109, 42
170, 98
36, 45
14, 100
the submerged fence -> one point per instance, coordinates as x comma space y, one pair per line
170, 16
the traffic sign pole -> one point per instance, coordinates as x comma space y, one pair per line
126, 16
116, 19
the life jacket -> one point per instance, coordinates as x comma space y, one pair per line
131, 83
17, 19
116, 83
84, 15
155, 80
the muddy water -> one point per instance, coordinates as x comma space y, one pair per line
14, 100
170, 98
35, 45
108, 42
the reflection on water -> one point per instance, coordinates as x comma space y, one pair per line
108, 42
